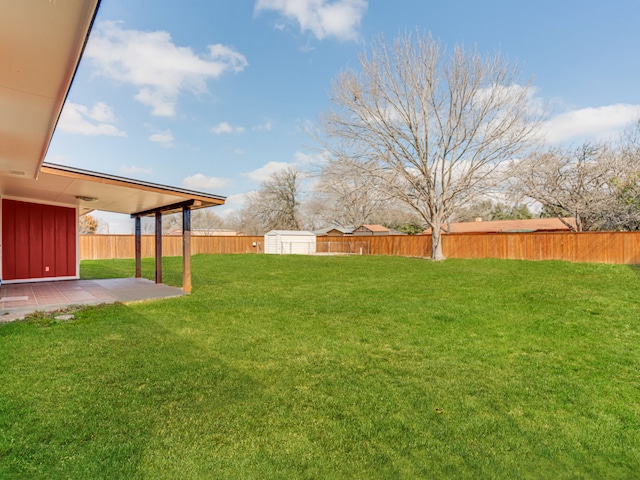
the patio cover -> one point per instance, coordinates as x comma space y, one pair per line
41, 44
99, 191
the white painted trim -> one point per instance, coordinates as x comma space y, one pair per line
1, 197
55, 204
38, 280
78, 241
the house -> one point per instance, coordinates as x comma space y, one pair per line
506, 226
42, 43
375, 230
334, 232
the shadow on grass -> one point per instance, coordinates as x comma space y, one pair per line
130, 392
635, 268
171, 267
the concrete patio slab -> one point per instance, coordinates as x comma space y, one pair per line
21, 299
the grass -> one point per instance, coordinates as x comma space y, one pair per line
326, 367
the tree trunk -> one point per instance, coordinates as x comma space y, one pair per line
436, 244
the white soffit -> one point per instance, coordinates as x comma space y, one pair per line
41, 42
98, 191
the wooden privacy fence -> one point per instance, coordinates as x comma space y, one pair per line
594, 247
94, 247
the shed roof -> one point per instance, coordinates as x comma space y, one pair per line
291, 232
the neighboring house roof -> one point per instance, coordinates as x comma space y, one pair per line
371, 230
374, 228
504, 226
342, 230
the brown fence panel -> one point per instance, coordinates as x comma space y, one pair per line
595, 247
94, 247
207, 244
398, 245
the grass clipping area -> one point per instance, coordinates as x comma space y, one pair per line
333, 367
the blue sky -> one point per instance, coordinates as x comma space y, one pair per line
216, 95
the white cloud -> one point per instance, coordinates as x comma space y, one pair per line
311, 158
263, 173
306, 126
165, 139
159, 69
323, 18
224, 127
134, 169
590, 123
300, 160
239, 151
238, 199
79, 119
265, 127
202, 182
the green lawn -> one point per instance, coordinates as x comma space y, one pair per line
334, 367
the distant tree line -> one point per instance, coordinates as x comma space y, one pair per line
596, 184
419, 136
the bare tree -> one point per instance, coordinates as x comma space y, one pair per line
488, 210
627, 215
582, 183
431, 126
88, 224
207, 220
147, 225
276, 204
171, 221
204, 219
244, 221
347, 196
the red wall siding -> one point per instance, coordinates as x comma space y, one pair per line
38, 241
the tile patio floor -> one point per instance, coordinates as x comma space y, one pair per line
21, 299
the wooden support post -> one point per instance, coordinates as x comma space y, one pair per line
158, 247
186, 249
138, 247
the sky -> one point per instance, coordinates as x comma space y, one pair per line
214, 95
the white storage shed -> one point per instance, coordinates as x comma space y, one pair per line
290, 241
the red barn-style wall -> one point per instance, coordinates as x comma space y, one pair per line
38, 241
